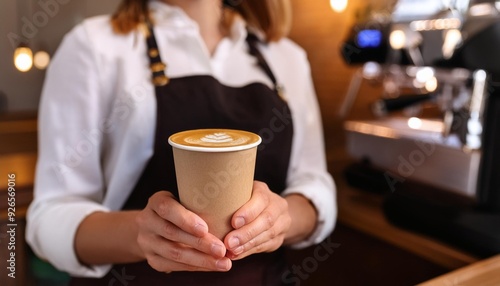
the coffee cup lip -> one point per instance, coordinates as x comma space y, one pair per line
214, 149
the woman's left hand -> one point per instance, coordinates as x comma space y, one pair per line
260, 225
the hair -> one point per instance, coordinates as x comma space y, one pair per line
272, 17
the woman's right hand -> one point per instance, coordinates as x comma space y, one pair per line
173, 238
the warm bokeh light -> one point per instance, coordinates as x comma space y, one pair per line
338, 6
414, 123
483, 9
436, 24
371, 70
452, 39
41, 60
397, 39
23, 59
432, 84
425, 74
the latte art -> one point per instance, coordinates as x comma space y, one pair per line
220, 137
215, 140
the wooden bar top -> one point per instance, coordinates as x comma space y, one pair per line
362, 211
483, 273
22, 165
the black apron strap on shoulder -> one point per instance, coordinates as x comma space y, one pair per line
155, 63
158, 67
253, 42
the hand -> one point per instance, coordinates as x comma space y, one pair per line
260, 225
174, 239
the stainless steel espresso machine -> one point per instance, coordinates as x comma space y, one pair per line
440, 170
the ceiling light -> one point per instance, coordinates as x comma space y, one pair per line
23, 58
41, 60
339, 6
397, 39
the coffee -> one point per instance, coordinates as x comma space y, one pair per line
214, 140
215, 171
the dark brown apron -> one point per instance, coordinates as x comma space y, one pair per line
195, 102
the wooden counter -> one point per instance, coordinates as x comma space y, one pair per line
483, 273
23, 166
18, 155
362, 211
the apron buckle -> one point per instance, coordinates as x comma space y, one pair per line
161, 80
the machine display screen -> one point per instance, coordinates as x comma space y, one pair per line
369, 38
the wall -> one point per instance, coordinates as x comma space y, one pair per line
320, 31
43, 23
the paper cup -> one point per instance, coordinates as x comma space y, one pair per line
215, 172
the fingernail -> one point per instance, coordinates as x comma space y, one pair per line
233, 242
239, 222
238, 250
218, 250
200, 229
222, 264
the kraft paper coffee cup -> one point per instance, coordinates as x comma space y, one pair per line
215, 172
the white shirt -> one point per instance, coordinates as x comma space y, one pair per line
97, 123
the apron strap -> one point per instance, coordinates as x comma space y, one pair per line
253, 42
155, 63
158, 67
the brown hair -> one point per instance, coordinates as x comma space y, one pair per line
272, 17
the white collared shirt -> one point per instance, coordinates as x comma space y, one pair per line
97, 123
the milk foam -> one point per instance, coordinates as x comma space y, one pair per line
220, 137
216, 139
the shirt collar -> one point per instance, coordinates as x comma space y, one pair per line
169, 15
165, 14
238, 32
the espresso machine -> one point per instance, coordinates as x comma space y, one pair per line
432, 149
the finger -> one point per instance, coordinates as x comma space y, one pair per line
208, 244
265, 222
251, 210
178, 257
164, 265
168, 208
254, 244
267, 245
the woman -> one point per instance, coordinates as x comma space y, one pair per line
105, 203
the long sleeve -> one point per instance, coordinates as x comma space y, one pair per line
308, 173
69, 182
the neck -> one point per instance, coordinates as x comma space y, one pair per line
208, 15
